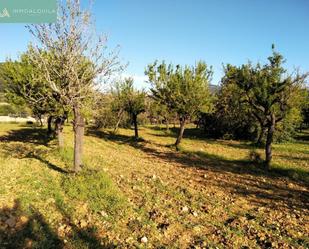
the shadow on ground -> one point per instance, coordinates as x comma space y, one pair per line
191, 133
23, 226
303, 135
27, 228
87, 235
20, 144
241, 177
21, 230
113, 137
31, 135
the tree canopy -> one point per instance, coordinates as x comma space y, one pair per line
76, 59
268, 91
184, 90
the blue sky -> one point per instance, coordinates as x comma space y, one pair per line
185, 31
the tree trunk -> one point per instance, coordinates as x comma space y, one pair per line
79, 125
59, 131
49, 125
181, 130
268, 149
198, 124
261, 135
135, 126
167, 125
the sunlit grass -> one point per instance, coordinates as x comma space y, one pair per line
129, 189
290, 158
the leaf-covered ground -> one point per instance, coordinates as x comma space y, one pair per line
146, 194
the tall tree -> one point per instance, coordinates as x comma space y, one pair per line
77, 58
130, 100
184, 90
268, 90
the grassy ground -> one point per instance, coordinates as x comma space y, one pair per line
147, 195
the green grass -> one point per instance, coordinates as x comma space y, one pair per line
95, 188
35, 176
66, 155
290, 158
129, 189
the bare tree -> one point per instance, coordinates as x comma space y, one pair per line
78, 60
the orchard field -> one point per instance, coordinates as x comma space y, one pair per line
145, 194
187, 129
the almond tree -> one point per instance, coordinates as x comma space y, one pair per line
268, 90
78, 58
183, 90
131, 101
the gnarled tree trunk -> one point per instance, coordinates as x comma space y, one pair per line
270, 134
261, 135
79, 126
181, 130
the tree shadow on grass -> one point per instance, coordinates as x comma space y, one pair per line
21, 144
35, 136
22, 151
190, 133
110, 136
199, 135
87, 235
49, 164
244, 145
252, 146
241, 177
19, 229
